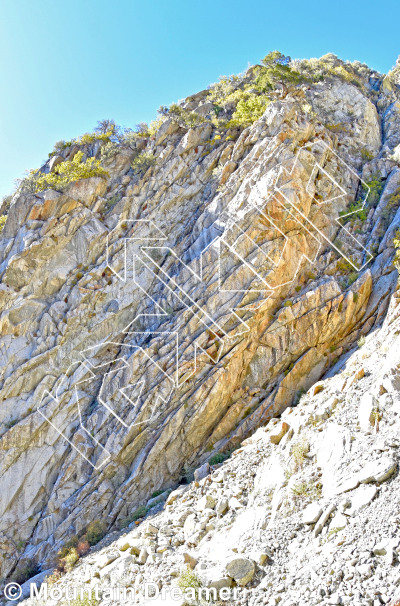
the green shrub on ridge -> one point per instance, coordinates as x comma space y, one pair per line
65, 173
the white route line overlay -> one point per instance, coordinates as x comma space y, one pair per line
178, 292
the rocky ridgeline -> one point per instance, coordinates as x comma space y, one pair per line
64, 299
306, 511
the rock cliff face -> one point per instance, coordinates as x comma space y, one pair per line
151, 318
304, 512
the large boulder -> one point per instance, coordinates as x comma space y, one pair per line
241, 570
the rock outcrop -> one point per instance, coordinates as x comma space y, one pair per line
155, 317
311, 520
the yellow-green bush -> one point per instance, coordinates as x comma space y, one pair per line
315, 70
298, 452
109, 150
142, 162
346, 73
190, 581
248, 109
374, 188
142, 130
396, 242
306, 490
3, 220
106, 130
84, 600
182, 116
93, 137
276, 69
343, 266
359, 212
366, 154
65, 173
221, 90
140, 512
155, 125
68, 561
95, 532
392, 203
371, 192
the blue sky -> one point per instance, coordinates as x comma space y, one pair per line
65, 65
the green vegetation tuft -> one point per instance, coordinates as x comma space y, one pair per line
299, 396
156, 494
188, 579
68, 561
142, 162
249, 108
220, 92
95, 532
250, 99
324, 68
392, 203
181, 116
88, 138
10, 423
396, 242
361, 341
358, 212
218, 458
298, 452
84, 600
334, 532
140, 512
65, 173
277, 70
306, 490
374, 188
366, 154
371, 192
